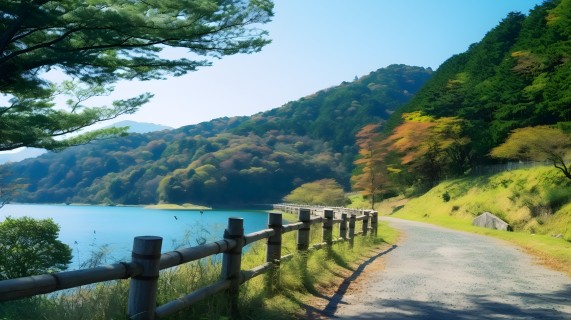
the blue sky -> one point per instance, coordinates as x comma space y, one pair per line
319, 44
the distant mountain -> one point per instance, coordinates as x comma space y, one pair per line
21, 154
140, 127
229, 161
26, 153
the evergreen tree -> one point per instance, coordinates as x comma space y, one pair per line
98, 43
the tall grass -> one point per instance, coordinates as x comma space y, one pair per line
535, 202
300, 278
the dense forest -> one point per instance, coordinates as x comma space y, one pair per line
240, 160
517, 76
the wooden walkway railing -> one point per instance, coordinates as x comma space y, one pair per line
147, 261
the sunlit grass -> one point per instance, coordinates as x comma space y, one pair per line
358, 201
299, 279
527, 199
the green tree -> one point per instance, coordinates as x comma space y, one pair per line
324, 192
29, 246
541, 143
97, 43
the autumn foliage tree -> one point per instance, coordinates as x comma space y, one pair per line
430, 147
540, 143
371, 173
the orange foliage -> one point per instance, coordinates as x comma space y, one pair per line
410, 139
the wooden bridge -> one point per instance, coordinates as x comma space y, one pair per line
147, 260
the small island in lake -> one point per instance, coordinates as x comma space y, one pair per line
171, 206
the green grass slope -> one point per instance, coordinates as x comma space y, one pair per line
535, 202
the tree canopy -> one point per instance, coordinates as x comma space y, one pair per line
517, 76
320, 192
99, 42
371, 174
29, 247
541, 143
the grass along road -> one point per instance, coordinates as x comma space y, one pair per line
436, 273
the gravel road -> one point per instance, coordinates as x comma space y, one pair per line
436, 273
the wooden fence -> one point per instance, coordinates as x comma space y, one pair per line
147, 261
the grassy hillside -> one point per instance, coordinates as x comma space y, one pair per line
534, 201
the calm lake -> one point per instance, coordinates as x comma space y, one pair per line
86, 229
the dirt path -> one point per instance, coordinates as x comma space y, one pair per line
435, 273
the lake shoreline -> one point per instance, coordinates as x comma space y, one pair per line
162, 206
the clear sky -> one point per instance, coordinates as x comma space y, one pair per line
318, 44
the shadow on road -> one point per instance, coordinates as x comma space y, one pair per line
334, 300
482, 308
555, 305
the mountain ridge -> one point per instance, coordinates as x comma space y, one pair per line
225, 160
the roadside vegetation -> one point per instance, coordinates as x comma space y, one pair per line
505, 98
535, 202
297, 285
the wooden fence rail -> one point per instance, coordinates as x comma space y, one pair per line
147, 261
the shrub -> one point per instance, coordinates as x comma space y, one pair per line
29, 246
446, 196
558, 197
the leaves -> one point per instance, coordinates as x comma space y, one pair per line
429, 146
371, 175
30, 247
541, 143
517, 76
97, 43
320, 192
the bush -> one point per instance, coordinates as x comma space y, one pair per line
558, 197
326, 191
29, 246
446, 196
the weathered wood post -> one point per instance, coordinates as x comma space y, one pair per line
274, 252
375, 222
232, 261
143, 288
328, 230
302, 241
365, 222
303, 233
343, 226
352, 230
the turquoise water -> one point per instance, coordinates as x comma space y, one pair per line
87, 229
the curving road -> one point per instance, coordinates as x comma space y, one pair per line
436, 273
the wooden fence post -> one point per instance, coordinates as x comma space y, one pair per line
143, 288
232, 261
303, 233
328, 229
274, 252
343, 226
352, 230
365, 223
375, 222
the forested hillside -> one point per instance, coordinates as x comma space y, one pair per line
517, 76
240, 160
